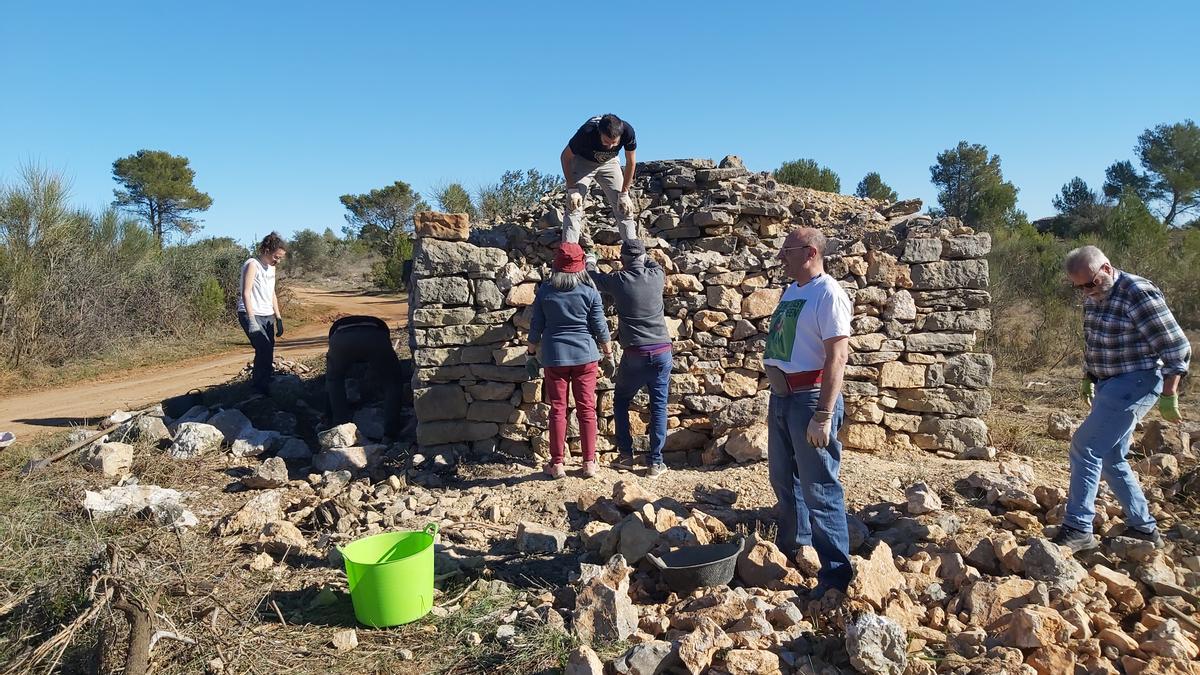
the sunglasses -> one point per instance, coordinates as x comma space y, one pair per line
1091, 284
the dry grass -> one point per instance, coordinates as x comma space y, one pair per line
145, 354
278, 620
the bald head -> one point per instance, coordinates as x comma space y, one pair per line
807, 236
802, 254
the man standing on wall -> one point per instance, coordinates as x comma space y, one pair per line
805, 359
591, 157
1134, 352
637, 291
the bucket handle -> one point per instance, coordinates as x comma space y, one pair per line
431, 529
656, 561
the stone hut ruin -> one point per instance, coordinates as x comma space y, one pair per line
919, 287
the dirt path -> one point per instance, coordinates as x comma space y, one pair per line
55, 409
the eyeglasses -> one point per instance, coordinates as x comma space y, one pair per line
793, 248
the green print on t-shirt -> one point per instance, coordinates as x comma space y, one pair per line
782, 334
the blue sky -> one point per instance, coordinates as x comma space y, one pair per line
282, 107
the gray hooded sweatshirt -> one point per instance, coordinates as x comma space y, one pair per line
637, 291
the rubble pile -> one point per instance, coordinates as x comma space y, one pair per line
918, 286
948, 578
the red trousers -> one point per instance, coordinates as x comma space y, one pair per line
582, 383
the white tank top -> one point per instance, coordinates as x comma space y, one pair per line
262, 291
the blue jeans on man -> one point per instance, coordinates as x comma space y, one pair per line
812, 505
1100, 447
636, 371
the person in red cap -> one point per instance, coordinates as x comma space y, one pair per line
568, 323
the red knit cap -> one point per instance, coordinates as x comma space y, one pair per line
569, 258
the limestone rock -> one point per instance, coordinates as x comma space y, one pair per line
631, 496
648, 658
603, 608
752, 662
352, 459
922, 499
748, 445
295, 449
876, 577
877, 645
253, 442
762, 564
273, 473
232, 422
584, 661
265, 507
193, 439
112, 460
1061, 426
1032, 627
1045, 561
341, 436
697, 648
535, 538
146, 429
447, 226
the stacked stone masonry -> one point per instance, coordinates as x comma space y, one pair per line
919, 288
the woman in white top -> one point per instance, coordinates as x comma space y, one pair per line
258, 307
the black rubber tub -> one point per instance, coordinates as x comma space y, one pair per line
693, 567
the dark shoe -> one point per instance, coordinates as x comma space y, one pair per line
656, 470
1074, 539
623, 463
1152, 536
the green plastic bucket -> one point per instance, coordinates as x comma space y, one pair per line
391, 576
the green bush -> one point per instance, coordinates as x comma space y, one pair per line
389, 273
210, 305
77, 284
1037, 316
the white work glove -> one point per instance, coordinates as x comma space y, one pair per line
626, 204
608, 365
819, 429
589, 261
574, 201
253, 324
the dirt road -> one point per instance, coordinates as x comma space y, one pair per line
55, 409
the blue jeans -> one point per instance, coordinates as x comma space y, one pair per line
263, 342
1101, 445
812, 505
654, 373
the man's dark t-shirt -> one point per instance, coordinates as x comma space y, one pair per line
586, 141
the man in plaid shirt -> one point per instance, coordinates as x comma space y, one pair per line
1135, 354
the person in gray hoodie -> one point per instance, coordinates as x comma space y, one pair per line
637, 292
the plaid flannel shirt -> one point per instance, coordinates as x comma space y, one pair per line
1131, 330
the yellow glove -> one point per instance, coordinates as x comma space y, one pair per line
1168, 407
1087, 389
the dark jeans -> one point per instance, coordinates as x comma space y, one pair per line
654, 373
263, 342
373, 346
812, 505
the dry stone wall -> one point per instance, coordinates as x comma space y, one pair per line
919, 288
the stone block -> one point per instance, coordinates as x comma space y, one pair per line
952, 274
447, 226
443, 291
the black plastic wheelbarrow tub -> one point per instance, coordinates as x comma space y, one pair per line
686, 569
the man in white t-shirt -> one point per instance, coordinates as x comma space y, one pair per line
805, 359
